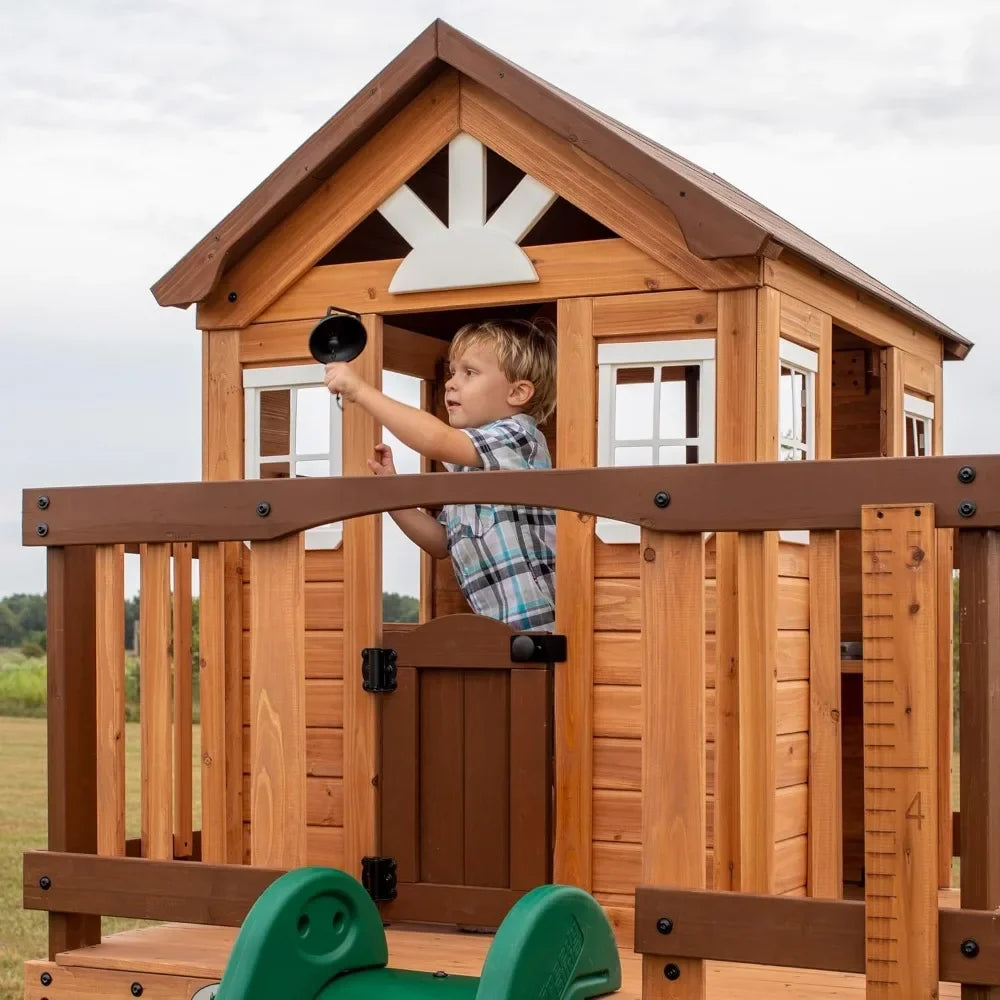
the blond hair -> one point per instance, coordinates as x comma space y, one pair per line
525, 350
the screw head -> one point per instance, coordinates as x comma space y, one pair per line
664, 925
263, 509
45, 883
41, 529
440, 975
967, 508
672, 972
43, 503
232, 296
966, 474
46, 978
136, 989
970, 948
661, 499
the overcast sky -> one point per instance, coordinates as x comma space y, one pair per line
128, 129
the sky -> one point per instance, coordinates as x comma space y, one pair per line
128, 129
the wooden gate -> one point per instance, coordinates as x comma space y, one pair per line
466, 773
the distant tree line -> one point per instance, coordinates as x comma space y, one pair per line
22, 619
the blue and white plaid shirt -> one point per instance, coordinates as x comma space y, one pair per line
504, 557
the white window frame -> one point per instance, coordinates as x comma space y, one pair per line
613, 356
258, 380
920, 411
803, 361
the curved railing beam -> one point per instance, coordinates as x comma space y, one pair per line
755, 496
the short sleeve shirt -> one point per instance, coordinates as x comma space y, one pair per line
504, 556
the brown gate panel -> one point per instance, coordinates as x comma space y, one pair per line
466, 773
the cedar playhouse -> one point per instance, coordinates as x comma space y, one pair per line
694, 328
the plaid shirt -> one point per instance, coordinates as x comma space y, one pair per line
504, 557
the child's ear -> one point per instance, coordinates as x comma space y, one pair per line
520, 393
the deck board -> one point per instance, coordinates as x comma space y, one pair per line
201, 952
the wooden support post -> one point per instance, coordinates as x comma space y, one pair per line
278, 704
154, 701
362, 623
946, 699
574, 681
736, 368
979, 726
183, 805
72, 713
825, 871
892, 427
212, 689
110, 636
672, 584
900, 751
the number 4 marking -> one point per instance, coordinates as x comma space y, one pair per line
913, 811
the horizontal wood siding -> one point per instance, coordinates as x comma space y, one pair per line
324, 717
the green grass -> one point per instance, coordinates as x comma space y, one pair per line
24, 934
22, 684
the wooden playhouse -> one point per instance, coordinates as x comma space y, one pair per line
694, 328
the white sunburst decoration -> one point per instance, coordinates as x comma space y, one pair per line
470, 251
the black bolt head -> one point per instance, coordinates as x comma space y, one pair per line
440, 975
966, 474
672, 972
232, 296
41, 529
263, 509
970, 948
43, 503
46, 978
137, 989
664, 925
661, 499
45, 883
967, 508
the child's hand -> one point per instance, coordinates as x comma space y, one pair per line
382, 464
342, 380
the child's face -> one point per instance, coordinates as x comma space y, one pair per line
477, 391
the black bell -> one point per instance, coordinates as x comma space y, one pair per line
339, 336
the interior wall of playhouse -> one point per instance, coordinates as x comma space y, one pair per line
769, 358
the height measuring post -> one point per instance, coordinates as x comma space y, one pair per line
900, 746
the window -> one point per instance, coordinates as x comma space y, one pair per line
293, 430
796, 402
656, 406
918, 416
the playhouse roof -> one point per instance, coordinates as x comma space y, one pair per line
717, 219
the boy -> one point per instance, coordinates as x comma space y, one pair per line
500, 388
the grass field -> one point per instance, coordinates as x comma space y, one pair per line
23, 828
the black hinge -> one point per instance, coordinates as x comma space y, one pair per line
378, 670
538, 647
378, 876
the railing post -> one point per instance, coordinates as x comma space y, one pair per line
72, 725
979, 726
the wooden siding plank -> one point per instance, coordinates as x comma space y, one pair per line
565, 271
576, 447
277, 693
388, 160
673, 714
825, 874
655, 313
362, 609
155, 701
802, 323
110, 635
900, 748
592, 187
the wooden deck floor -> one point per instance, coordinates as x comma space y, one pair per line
199, 953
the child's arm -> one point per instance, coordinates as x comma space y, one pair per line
421, 431
417, 525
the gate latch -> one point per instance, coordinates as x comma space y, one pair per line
378, 876
538, 647
378, 670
